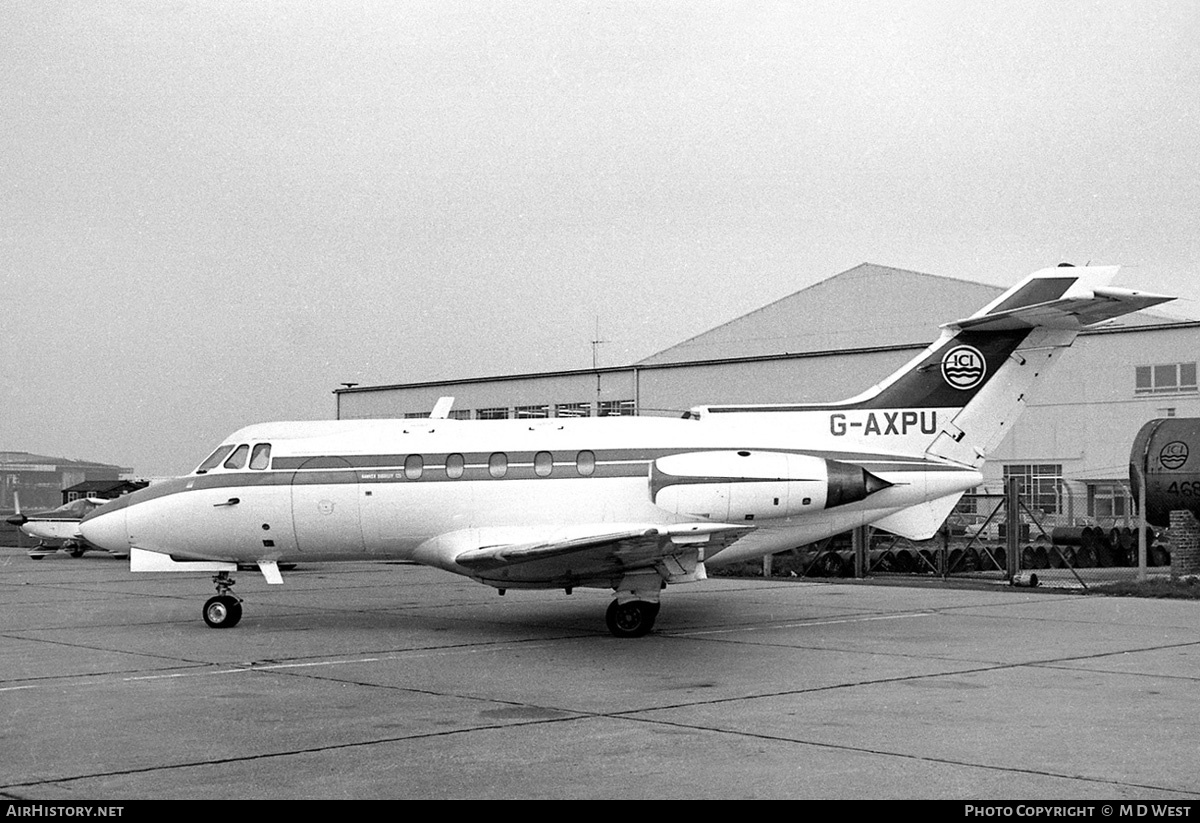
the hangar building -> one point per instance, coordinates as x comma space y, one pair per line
838, 337
39, 480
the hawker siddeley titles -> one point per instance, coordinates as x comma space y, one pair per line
629, 504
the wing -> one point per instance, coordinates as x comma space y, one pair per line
602, 556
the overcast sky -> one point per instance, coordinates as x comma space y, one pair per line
213, 213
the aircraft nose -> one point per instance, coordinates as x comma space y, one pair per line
105, 527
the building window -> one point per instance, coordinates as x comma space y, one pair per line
573, 410
543, 464
1107, 501
1038, 483
527, 412
460, 414
415, 415
614, 408
491, 414
1167, 378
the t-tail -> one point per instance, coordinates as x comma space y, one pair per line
960, 397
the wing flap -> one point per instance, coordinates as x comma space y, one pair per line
598, 554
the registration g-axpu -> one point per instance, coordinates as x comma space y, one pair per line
630, 503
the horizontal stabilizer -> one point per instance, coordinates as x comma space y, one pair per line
1061, 298
922, 521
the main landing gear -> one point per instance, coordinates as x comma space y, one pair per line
223, 611
632, 613
631, 619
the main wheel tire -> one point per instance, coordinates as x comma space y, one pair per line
632, 619
222, 612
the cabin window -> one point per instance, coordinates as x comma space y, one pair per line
214, 459
414, 466
498, 464
260, 458
543, 464
585, 463
454, 466
238, 458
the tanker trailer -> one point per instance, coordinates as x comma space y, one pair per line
1168, 449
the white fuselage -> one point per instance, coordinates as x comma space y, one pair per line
428, 490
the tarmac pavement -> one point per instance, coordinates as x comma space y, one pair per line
383, 680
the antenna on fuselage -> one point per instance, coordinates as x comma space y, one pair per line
596, 343
441, 409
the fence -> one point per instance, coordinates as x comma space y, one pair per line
1006, 542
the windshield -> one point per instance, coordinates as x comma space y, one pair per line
214, 459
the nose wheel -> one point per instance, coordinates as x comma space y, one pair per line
223, 611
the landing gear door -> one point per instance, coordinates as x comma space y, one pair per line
325, 507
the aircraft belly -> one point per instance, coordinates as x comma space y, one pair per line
49, 530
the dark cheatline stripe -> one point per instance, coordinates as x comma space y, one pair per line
610, 464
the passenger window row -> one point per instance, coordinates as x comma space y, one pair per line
543, 465
235, 457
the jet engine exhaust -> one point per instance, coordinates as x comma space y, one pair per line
849, 484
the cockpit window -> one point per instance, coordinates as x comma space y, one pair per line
260, 458
238, 458
214, 459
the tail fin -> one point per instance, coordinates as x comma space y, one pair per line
959, 397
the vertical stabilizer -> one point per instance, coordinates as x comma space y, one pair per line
960, 397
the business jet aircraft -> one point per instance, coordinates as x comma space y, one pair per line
56, 529
626, 503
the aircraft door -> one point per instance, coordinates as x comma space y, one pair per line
325, 507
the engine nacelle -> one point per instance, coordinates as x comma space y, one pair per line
733, 486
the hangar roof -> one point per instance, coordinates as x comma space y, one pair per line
868, 306
17, 461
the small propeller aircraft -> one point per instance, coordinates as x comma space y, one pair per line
627, 503
57, 529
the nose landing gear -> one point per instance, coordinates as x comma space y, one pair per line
223, 611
